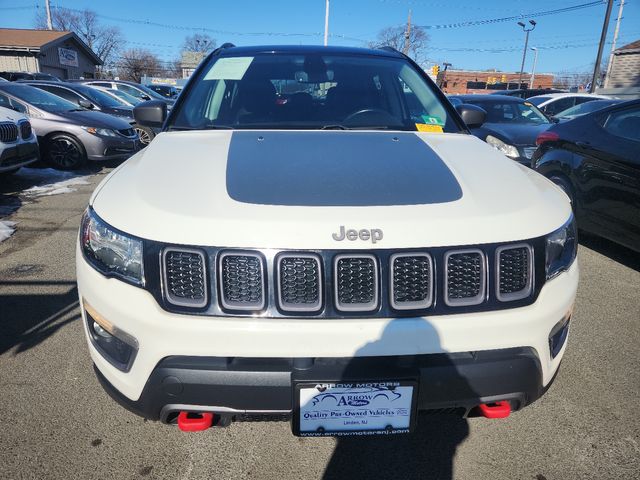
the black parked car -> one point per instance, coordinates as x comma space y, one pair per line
526, 92
595, 159
94, 99
168, 91
13, 76
511, 126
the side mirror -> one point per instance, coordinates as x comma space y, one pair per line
152, 113
86, 104
144, 96
472, 115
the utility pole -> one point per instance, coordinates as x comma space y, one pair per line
526, 43
613, 44
533, 70
326, 23
407, 36
603, 38
48, 8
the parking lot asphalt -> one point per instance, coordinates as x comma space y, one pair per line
56, 421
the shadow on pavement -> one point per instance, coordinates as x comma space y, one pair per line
614, 251
28, 319
428, 452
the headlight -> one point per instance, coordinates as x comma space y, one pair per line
109, 251
105, 132
508, 150
561, 248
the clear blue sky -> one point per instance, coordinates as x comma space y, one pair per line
567, 42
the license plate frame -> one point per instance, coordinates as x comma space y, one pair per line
362, 392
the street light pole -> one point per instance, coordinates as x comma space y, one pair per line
603, 38
326, 23
526, 43
533, 70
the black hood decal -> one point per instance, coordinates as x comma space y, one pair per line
339, 168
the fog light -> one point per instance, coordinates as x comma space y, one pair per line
117, 347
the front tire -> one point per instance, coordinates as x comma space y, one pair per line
145, 134
64, 152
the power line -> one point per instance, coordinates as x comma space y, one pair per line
474, 23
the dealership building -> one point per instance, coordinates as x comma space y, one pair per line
62, 54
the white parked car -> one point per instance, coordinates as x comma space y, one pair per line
18, 142
316, 236
553, 103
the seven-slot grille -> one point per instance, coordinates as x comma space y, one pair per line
25, 130
8, 132
185, 277
412, 281
465, 280
299, 282
515, 272
242, 281
355, 280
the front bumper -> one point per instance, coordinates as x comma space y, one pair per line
101, 148
161, 335
253, 388
18, 155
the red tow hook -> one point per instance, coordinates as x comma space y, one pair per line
194, 422
500, 409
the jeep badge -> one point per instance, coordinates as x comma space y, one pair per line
375, 234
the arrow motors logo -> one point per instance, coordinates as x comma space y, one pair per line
355, 398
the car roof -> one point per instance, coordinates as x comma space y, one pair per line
492, 98
307, 49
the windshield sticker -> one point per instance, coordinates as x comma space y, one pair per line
429, 128
232, 68
432, 120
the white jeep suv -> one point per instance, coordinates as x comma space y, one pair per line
18, 142
315, 236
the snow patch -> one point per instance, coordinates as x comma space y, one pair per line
6, 229
55, 181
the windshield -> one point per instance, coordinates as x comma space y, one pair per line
510, 112
538, 100
99, 98
125, 96
40, 99
312, 91
585, 108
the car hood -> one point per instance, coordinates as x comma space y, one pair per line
88, 118
294, 189
519, 135
120, 111
11, 115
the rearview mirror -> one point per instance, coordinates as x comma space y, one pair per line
144, 96
472, 115
152, 113
86, 104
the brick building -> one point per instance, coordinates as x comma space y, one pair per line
62, 54
624, 70
487, 81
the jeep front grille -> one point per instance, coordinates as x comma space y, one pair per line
515, 272
185, 281
299, 282
465, 277
411, 282
8, 132
356, 282
242, 281
25, 130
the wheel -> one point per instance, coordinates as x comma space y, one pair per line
145, 134
370, 115
566, 187
64, 152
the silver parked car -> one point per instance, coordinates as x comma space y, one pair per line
68, 135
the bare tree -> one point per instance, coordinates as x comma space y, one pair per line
105, 41
199, 42
395, 37
135, 63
